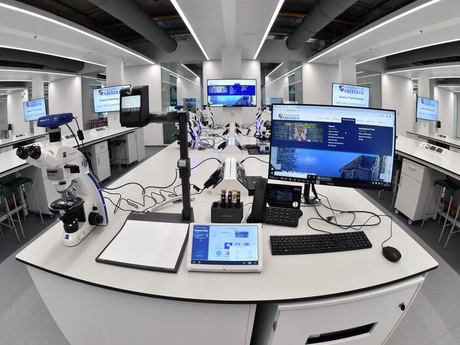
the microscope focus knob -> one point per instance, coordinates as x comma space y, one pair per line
95, 218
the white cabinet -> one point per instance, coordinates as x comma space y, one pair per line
131, 150
100, 161
46, 192
365, 318
415, 184
140, 144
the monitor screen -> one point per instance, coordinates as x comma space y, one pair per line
34, 109
333, 145
426, 109
107, 99
350, 95
232, 92
130, 103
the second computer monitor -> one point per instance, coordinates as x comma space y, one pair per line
333, 145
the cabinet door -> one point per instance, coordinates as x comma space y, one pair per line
103, 165
407, 199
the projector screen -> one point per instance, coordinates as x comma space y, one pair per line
350, 95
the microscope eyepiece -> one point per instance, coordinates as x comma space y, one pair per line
34, 151
22, 152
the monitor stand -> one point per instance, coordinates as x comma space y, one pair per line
310, 201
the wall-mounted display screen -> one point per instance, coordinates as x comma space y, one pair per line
350, 95
34, 109
232, 92
107, 99
426, 109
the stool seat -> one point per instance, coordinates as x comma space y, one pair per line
19, 181
449, 185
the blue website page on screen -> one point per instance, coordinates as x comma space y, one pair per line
332, 142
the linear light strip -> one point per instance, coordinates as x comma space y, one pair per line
284, 75
37, 72
269, 74
188, 69
54, 21
272, 20
415, 9
189, 26
421, 69
179, 76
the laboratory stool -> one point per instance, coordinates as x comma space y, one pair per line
13, 185
9, 217
116, 144
448, 188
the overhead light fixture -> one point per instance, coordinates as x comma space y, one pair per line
34, 71
189, 26
188, 69
70, 27
406, 70
284, 75
269, 74
270, 23
369, 76
174, 74
402, 15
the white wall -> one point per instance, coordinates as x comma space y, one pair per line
397, 94
249, 69
3, 116
65, 96
446, 100
317, 82
151, 76
15, 112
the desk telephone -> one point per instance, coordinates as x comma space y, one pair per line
283, 204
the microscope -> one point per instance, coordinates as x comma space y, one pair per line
81, 207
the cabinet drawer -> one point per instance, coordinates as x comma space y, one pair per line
413, 170
100, 147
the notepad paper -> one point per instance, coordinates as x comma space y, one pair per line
147, 245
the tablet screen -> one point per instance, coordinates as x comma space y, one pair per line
224, 247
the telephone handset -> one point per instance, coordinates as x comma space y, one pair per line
259, 202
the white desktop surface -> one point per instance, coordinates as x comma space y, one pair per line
437, 138
446, 162
284, 278
16, 140
11, 163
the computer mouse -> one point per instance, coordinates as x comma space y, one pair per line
391, 253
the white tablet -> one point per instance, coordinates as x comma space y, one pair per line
225, 247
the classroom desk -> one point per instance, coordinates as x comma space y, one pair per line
309, 294
15, 141
445, 162
436, 139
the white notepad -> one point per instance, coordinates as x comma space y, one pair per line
147, 245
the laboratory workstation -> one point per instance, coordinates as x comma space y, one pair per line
227, 173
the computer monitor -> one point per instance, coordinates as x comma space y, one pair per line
426, 109
34, 109
333, 145
134, 106
107, 99
232, 92
350, 95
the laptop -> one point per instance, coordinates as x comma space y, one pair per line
225, 247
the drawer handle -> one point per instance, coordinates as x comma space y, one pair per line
413, 169
402, 306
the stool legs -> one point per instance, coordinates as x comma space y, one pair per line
428, 204
38, 206
17, 213
10, 218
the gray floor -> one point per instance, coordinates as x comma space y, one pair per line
434, 317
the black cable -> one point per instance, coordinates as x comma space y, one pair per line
253, 157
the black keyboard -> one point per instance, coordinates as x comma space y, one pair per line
282, 216
321, 243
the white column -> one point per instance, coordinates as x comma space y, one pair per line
347, 70
115, 76
38, 91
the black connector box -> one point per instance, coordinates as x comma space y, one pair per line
225, 214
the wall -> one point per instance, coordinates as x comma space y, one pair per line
317, 82
446, 100
398, 95
65, 96
249, 69
15, 112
